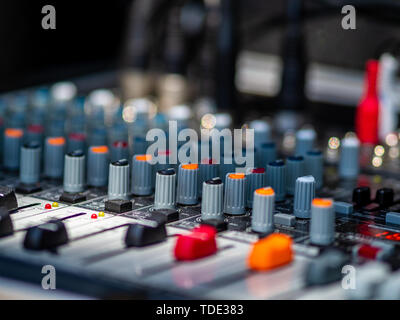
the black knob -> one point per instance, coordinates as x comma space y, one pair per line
6, 225
8, 198
46, 236
384, 197
139, 235
362, 196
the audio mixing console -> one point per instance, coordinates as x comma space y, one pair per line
212, 158
113, 224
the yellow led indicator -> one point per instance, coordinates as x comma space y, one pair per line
101, 214
55, 205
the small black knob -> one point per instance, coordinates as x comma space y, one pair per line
8, 198
362, 196
6, 225
46, 236
140, 236
384, 197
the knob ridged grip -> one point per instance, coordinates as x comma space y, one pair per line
255, 180
165, 197
235, 193
142, 172
276, 178
54, 152
187, 184
303, 196
262, 219
322, 229
30, 163
266, 153
74, 172
212, 200
314, 164
98, 164
12, 148
349, 163
305, 139
207, 171
294, 169
118, 180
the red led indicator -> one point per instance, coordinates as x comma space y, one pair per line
94, 216
120, 144
47, 206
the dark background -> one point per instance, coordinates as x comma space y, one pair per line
90, 34
87, 39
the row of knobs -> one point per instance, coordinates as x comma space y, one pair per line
18, 155
320, 211
54, 150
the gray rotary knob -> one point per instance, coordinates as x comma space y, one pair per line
12, 148
76, 141
54, 151
262, 132
276, 178
266, 153
187, 184
305, 140
142, 172
164, 197
118, 180
294, 169
30, 163
212, 200
208, 169
314, 164
235, 193
322, 229
349, 163
119, 150
262, 219
74, 172
304, 193
98, 164
255, 180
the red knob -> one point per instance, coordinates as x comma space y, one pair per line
368, 109
198, 244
